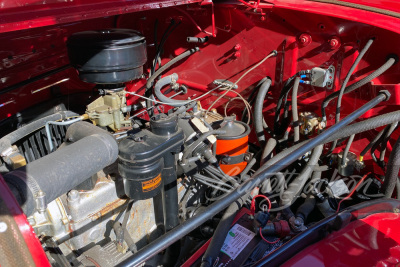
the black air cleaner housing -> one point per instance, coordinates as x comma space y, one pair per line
107, 56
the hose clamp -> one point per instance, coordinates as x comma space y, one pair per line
229, 160
38, 194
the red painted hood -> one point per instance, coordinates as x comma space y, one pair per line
392, 5
27, 14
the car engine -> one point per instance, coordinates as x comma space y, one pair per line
195, 133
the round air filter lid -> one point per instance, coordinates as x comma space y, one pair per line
105, 38
107, 56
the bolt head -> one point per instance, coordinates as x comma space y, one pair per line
334, 43
297, 222
73, 195
304, 39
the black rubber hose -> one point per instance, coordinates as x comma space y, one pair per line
160, 70
81, 129
62, 170
347, 149
342, 88
398, 188
261, 175
386, 138
369, 146
295, 114
375, 146
164, 38
258, 111
390, 62
189, 150
296, 186
283, 95
251, 98
185, 54
8, 140
392, 171
221, 231
306, 208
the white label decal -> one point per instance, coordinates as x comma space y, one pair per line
236, 240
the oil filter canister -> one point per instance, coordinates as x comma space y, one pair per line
140, 170
232, 147
146, 159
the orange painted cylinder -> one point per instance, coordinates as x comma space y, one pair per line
232, 147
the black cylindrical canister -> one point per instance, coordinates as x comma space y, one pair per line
141, 182
140, 166
107, 56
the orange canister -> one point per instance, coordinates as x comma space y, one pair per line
232, 147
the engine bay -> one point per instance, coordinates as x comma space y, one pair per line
197, 134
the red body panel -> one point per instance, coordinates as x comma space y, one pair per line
372, 241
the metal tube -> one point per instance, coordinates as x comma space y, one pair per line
48, 132
186, 227
347, 149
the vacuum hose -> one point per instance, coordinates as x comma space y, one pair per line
392, 171
258, 108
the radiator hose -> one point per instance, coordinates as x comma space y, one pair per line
64, 169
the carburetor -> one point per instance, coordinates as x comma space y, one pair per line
108, 58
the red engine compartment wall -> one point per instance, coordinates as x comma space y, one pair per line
244, 37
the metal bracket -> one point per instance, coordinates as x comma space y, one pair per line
225, 83
229, 160
323, 77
